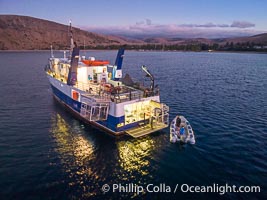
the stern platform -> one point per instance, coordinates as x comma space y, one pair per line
145, 130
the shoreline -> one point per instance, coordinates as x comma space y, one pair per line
138, 50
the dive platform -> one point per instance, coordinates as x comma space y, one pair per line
145, 130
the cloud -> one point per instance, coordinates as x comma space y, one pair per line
188, 25
207, 25
242, 24
146, 28
140, 23
223, 25
235, 24
148, 22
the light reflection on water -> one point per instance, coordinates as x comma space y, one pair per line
85, 163
75, 152
134, 156
70, 143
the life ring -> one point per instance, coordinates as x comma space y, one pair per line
95, 62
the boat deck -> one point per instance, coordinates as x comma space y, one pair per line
145, 130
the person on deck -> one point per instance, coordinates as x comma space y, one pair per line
90, 78
178, 121
104, 76
182, 131
118, 89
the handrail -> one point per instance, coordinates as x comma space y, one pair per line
97, 91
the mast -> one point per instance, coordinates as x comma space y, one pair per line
75, 52
71, 38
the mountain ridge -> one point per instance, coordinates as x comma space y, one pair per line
29, 33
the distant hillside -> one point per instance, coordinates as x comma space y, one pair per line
28, 33
256, 39
177, 41
25, 33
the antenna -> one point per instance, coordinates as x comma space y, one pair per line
84, 45
52, 53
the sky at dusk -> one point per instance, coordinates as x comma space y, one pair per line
174, 18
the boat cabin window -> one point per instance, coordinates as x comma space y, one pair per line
140, 111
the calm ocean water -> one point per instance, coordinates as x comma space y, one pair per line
45, 153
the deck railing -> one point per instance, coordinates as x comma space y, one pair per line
116, 94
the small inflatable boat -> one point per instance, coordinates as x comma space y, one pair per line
181, 131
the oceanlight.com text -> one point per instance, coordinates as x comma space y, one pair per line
216, 188
178, 188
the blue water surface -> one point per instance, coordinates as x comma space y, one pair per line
45, 153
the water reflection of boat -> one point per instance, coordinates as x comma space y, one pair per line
94, 91
68, 142
72, 147
87, 166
